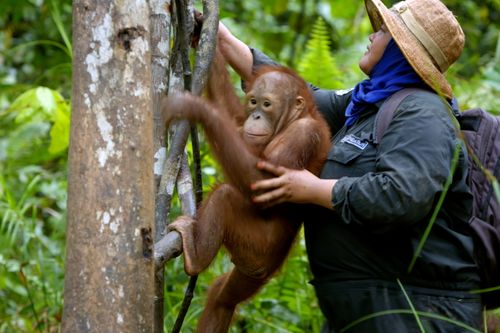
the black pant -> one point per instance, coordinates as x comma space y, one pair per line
381, 307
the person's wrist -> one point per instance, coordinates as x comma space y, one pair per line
324, 192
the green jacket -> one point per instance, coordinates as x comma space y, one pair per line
386, 194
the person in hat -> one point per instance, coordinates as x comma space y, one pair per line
372, 203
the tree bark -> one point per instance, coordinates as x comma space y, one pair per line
160, 45
109, 281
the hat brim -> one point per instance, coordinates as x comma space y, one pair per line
411, 48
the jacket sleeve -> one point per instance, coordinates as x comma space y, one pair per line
332, 104
412, 164
260, 58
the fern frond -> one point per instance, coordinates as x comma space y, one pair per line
318, 65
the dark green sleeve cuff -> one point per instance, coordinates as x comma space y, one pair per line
340, 192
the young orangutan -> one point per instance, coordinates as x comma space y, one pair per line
278, 123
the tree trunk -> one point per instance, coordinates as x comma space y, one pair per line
109, 282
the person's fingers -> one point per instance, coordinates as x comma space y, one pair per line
271, 168
266, 184
270, 198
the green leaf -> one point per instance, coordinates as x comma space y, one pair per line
318, 64
496, 188
59, 133
412, 307
34, 110
46, 99
25, 106
56, 16
36, 104
28, 140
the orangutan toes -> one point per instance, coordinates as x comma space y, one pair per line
185, 226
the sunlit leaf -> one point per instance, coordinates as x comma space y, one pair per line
25, 106
59, 133
45, 99
37, 110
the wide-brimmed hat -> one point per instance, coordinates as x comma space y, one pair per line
427, 33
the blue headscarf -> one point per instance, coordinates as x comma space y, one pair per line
391, 74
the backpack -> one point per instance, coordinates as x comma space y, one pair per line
481, 132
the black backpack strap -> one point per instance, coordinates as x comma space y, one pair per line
386, 112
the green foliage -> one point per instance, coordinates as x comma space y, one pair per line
34, 133
33, 139
32, 215
318, 65
483, 88
479, 20
34, 44
35, 128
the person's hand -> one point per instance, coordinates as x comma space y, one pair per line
297, 186
288, 185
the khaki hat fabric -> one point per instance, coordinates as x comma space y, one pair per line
427, 33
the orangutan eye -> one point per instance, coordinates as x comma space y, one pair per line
253, 101
267, 104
